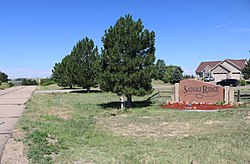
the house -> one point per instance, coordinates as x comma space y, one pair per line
226, 69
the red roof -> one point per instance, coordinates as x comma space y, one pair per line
240, 63
204, 64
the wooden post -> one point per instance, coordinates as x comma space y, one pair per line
231, 95
177, 92
238, 95
226, 94
122, 102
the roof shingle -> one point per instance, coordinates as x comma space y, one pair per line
204, 64
241, 63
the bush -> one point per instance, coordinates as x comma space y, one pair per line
4, 85
26, 82
46, 82
242, 82
3, 77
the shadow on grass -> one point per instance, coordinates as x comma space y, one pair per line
117, 104
85, 91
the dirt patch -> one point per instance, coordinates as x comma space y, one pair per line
151, 128
211, 122
64, 113
14, 151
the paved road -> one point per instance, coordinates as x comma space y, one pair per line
12, 104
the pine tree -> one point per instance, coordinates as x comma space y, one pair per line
80, 68
160, 69
168, 74
62, 72
177, 75
85, 63
127, 60
246, 70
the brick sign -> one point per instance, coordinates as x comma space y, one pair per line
199, 91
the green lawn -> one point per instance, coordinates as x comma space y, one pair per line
49, 87
87, 127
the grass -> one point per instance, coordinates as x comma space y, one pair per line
49, 87
88, 127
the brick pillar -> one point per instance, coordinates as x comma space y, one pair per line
177, 92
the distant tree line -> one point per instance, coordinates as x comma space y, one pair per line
169, 74
125, 65
26, 82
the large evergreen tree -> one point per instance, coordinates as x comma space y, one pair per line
63, 72
246, 70
80, 68
127, 61
86, 63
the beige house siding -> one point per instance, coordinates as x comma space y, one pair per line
230, 66
225, 70
236, 76
219, 77
219, 69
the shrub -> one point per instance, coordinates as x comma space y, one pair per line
4, 85
46, 82
26, 82
242, 82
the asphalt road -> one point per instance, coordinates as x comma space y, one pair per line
12, 104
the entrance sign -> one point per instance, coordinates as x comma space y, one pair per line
199, 91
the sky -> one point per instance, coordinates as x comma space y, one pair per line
36, 34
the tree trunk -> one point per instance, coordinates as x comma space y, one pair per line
129, 101
88, 89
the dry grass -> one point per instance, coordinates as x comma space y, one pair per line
88, 128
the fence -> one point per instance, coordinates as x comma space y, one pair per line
163, 93
242, 95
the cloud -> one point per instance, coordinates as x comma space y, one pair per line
221, 25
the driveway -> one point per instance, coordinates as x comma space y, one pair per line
12, 104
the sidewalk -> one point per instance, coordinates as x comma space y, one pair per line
12, 104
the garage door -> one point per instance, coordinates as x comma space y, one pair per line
219, 77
